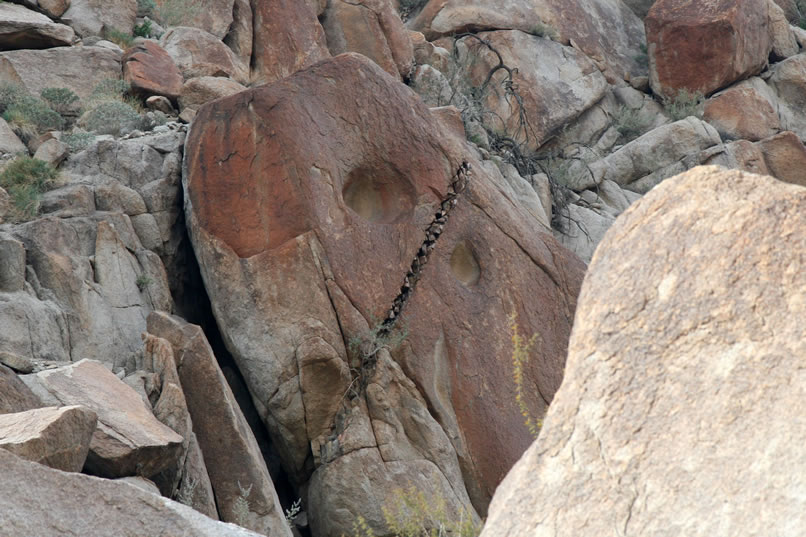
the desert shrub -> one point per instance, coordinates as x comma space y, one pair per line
77, 141
62, 100
684, 104
143, 30
520, 356
10, 93
111, 117
145, 7
25, 179
413, 514
642, 58
121, 39
240, 507
110, 89
630, 123
544, 30
176, 12
143, 281
30, 113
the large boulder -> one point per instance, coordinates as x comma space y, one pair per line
56, 437
95, 17
36, 500
684, 385
789, 82
745, 111
232, 456
151, 71
605, 30
705, 46
304, 234
23, 28
785, 156
51, 8
372, 28
287, 37
553, 91
77, 68
128, 438
198, 53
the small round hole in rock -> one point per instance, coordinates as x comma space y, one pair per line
464, 265
378, 197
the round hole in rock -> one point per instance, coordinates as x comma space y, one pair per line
378, 197
464, 265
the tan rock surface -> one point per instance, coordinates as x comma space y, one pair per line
56, 437
278, 218
742, 112
783, 39
198, 53
36, 500
128, 439
785, 156
198, 91
230, 451
23, 28
684, 385
705, 46
789, 82
15, 395
94, 17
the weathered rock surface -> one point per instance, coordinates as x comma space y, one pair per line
647, 160
52, 8
36, 500
77, 68
240, 37
554, 91
743, 112
605, 30
9, 141
212, 16
287, 37
56, 437
704, 46
230, 450
94, 17
278, 218
372, 28
684, 385
128, 439
783, 39
789, 82
198, 53
198, 91
15, 395
785, 156
23, 28
151, 71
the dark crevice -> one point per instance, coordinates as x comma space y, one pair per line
193, 303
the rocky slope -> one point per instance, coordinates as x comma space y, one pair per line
204, 229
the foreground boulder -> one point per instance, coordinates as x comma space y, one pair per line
128, 439
56, 437
683, 393
36, 500
704, 46
304, 233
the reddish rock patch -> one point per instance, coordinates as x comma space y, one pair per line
151, 71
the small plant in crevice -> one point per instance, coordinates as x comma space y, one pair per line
145, 7
26, 179
544, 30
292, 512
408, 8
143, 30
642, 58
630, 123
684, 104
240, 507
143, 281
521, 348
121, 39
187, 492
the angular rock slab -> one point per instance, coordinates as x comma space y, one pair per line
230, 450
36, 500
56, 437
23, 28
304, 234
704, 46
151, 71
15, 395
682, 407
96, 17
198, 53
128, 440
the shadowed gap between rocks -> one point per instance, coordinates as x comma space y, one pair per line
193, 304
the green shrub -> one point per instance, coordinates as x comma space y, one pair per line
25, 179
630, 123
176, 12
110, 89
62, 100
111, 117
240, 507
684, 104
544, 30
121, 39
143, 30
29, 112
10, 93
78, 141
143, 281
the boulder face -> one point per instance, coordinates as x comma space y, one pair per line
151, 71
306, 201
704, 45
23, 28
682, 386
